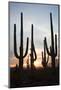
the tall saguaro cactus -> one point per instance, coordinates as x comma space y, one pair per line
21, 56
33, 52
53, 47
44, 58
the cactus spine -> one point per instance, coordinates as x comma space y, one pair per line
33, 52
21, 44
44, 58
53, 47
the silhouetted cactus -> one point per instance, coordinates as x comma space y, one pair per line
21, 56
44, 58
33, 52
53, 47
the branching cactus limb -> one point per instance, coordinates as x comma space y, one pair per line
44, 58
55, 45
53, 48
33, 52
15, 44
21, 56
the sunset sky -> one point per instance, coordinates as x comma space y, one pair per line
39, 16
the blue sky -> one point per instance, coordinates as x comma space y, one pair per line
36, 14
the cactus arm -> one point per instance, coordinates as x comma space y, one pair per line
42, 59
55, 45
15, 45
47, 47
34, 52
42, 56
26, 48
47, 59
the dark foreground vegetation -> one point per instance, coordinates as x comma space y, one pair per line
35, 77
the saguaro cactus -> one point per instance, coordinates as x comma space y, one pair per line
44, 58
33, 52
21, 56
53, 47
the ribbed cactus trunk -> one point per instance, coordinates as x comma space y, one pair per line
33, 52
21, 44
52, 42
53, 47
32, 48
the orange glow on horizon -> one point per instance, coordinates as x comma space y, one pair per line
13, 65
38, 63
